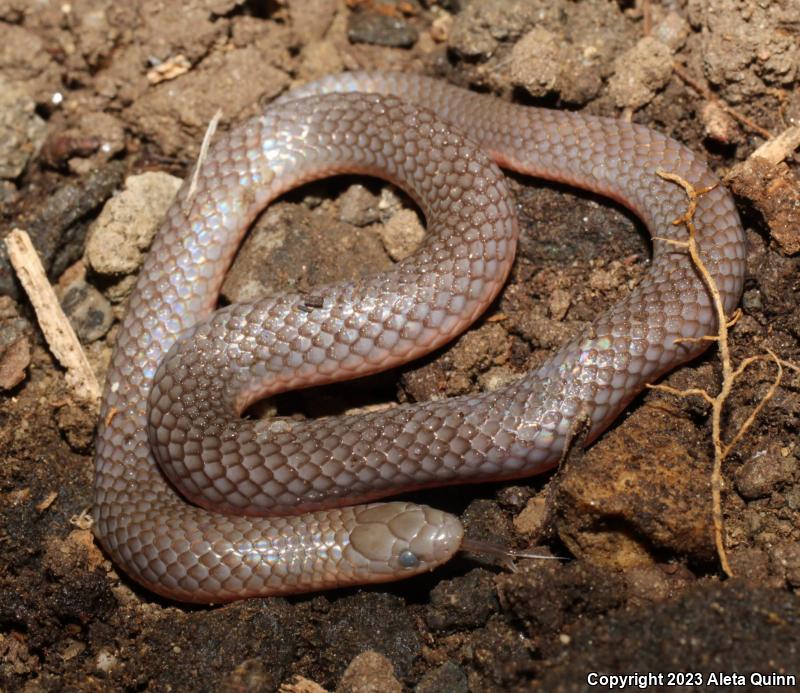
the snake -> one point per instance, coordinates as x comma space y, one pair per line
198, 502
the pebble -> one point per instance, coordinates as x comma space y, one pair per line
762, 474
640, 73
603, 510
481, 26
120, 236
537, 61
88, 311
15, 344
369, 672
318, 59
358, 206
786, 559
22, 132
402, 234
8, 193
380, 30
533, 517
311, 19
672, 31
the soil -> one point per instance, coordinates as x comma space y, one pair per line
93, 92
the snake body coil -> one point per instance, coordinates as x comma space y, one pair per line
266, 514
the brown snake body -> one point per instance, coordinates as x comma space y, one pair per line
266, 514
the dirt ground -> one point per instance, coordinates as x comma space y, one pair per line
95, 91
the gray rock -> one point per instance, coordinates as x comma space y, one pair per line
88, 310
122, 233
482, 26
22, 132
762, 474
380, 30
358, 206
15, 344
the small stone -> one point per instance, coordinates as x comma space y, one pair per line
481, 26
480, 348
298, 684
532, 518
120, 236
640, 72
447, 678
106, 661
73, 553
380, 30
70, 648
441, 27
8, 193
22, 132
762, 474
672, 31
369, 672
786, 560
15, 344
358, 206
250, 676
537, 61
402, 234
607, 278
559, 304
88, 311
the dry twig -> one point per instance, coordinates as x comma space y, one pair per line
55, 326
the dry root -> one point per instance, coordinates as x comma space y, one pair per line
729, 373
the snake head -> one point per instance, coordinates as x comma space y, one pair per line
396, 540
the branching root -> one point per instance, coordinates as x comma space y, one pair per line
729, 373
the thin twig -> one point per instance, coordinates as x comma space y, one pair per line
55, 326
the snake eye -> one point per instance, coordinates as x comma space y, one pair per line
408, 559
